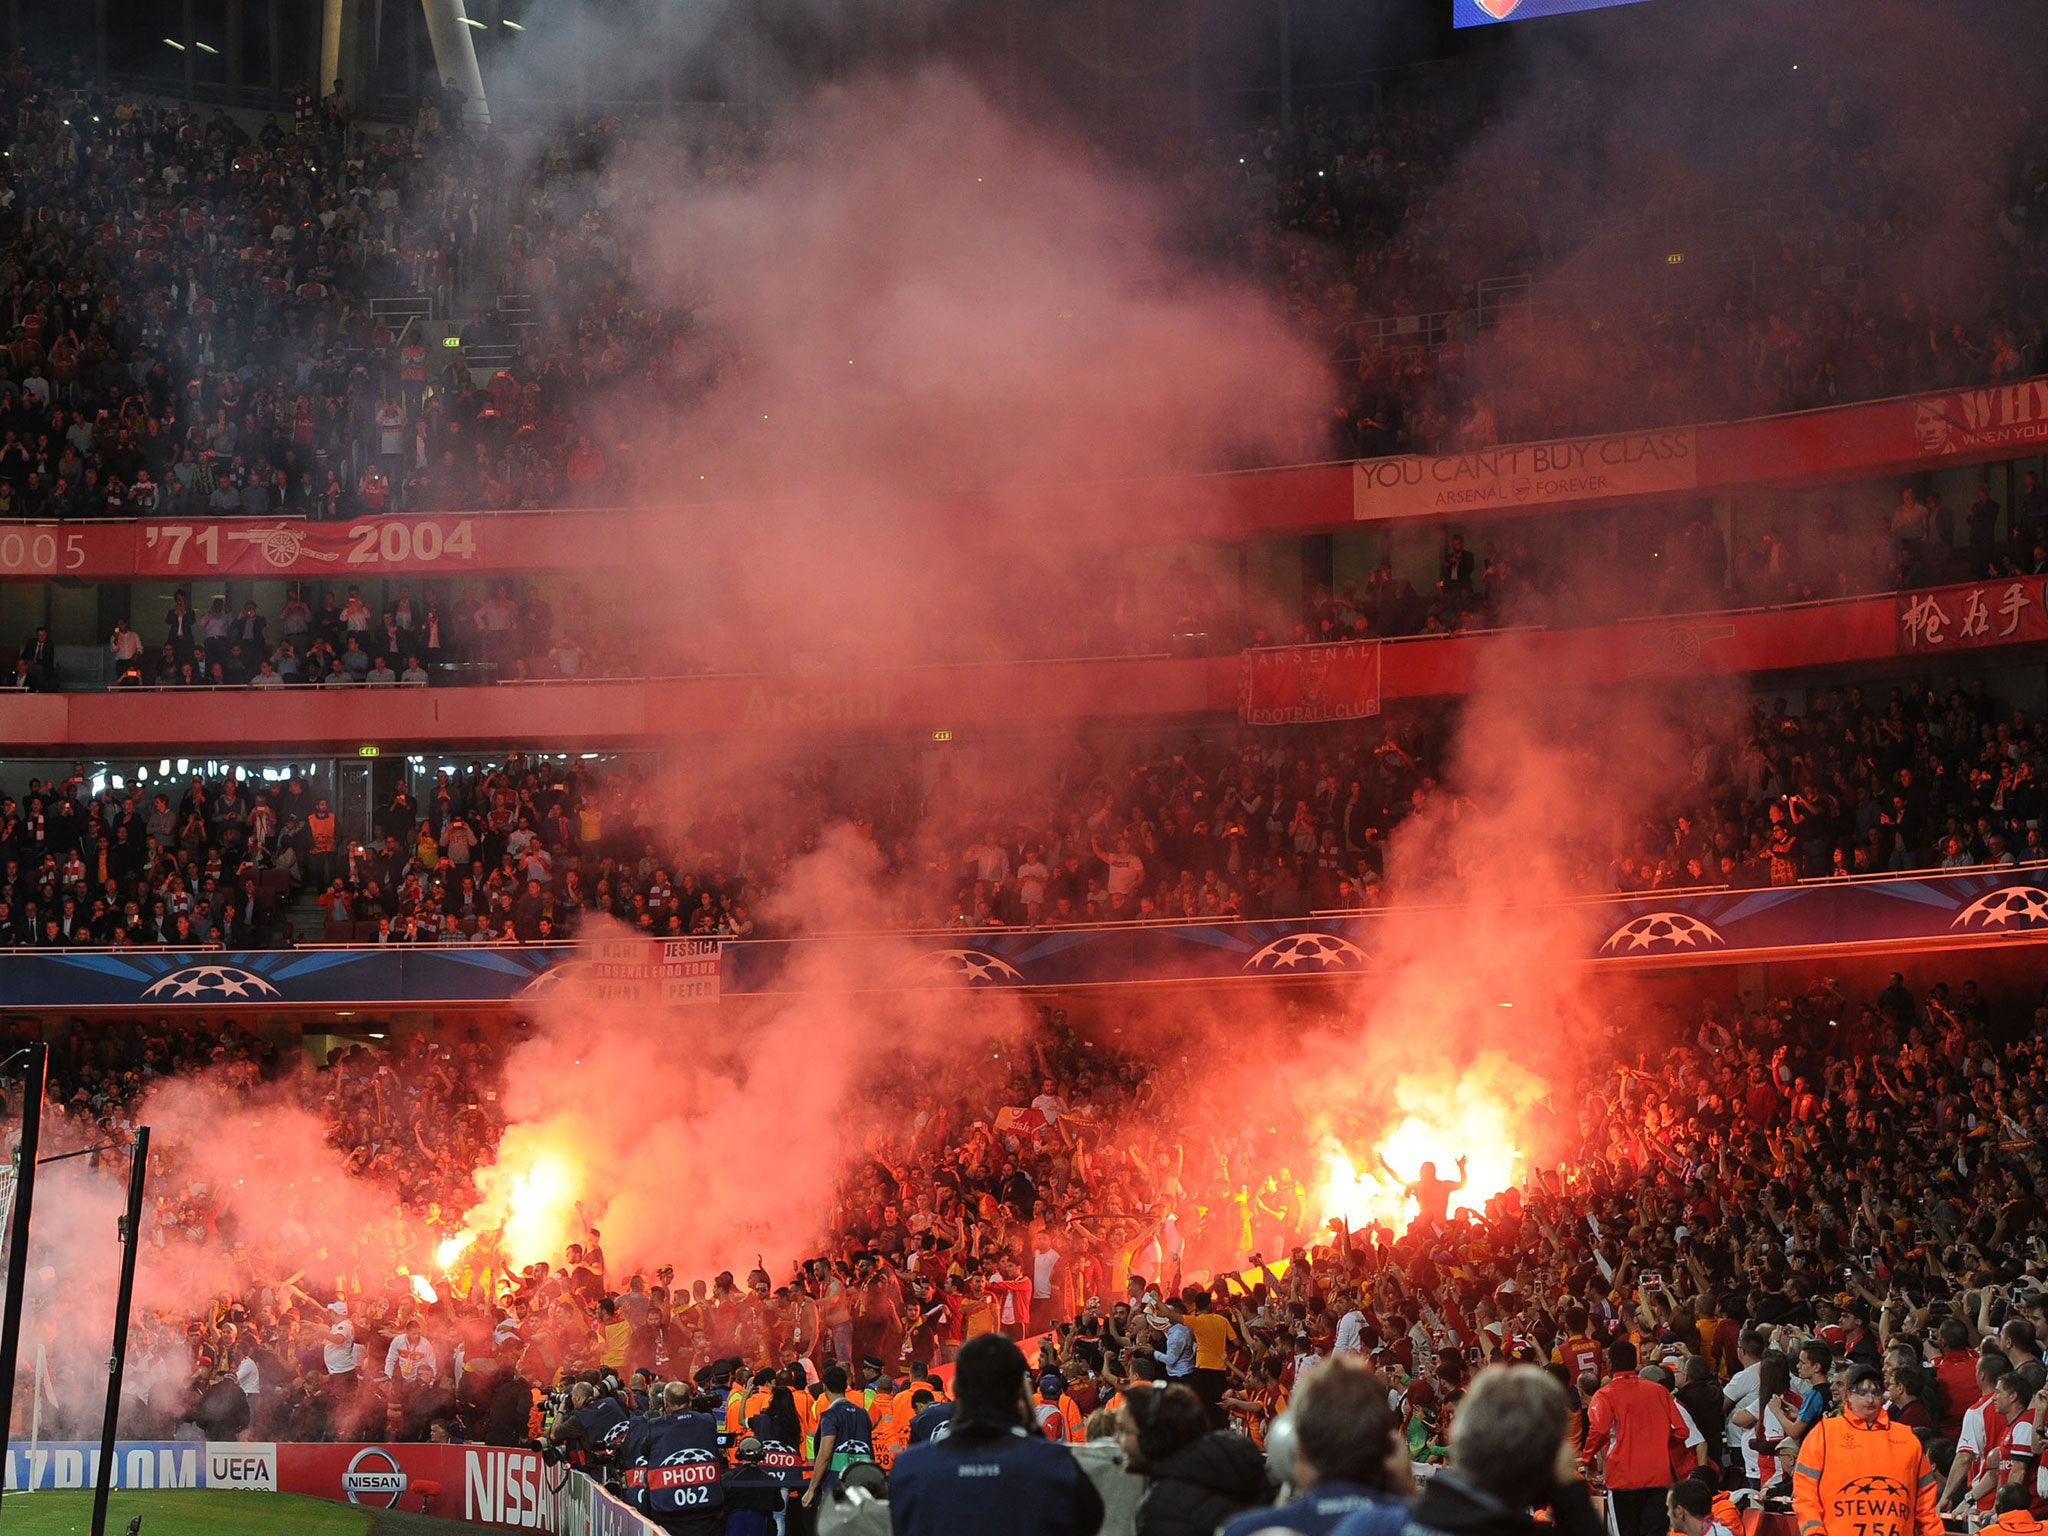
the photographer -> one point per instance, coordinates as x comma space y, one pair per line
677, 1467
593, 1428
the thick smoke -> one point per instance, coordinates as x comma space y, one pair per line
1478, 1021
916, 295
245, 1195
709, 1137
1672, 177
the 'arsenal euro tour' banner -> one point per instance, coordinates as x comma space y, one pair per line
1565, 471
1304, 684
2008, 612
1999, 416
650, 971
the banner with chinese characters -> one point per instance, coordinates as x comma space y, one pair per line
2008, 612
1306, 684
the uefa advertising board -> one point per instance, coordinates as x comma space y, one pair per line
504, 1488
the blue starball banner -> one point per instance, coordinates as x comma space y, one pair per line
1657, 928
1486, 13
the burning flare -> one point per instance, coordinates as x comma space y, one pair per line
529, 1199
1474, 1116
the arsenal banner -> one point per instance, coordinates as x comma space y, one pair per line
1963, 617
1515, 477
1306, 684
260, 546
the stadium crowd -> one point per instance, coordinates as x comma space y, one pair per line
192, 328
1526, 239
1204, 826
1810, 1191
1776, 1197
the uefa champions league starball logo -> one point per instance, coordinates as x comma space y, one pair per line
961, 967
2017, 906
1307, 954
210, 984
1661, 933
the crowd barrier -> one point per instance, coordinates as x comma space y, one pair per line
1273, 686
506, 1489
1942, 910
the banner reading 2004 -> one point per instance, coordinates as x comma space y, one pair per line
273, 546
1565, 471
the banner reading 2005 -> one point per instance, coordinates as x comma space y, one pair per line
1510, 479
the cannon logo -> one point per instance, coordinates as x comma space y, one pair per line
374, 1478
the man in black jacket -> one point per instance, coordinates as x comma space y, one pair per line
496, 1399
39, 656
1196, 1477
991, 1473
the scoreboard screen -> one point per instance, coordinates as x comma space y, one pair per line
1484, 13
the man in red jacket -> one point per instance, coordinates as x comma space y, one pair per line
1631, 1426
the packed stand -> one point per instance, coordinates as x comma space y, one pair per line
1206, 827
1526, 235
1730, 1230
193, 334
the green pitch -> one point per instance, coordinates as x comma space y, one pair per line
196, 1513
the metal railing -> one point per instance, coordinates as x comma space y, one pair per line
1587, 900
409, 307
1384, 333
482, 673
